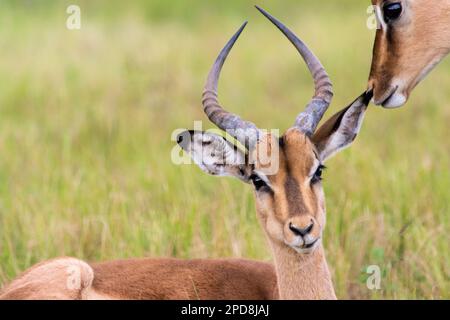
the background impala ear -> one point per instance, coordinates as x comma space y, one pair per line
214, 154
340, 130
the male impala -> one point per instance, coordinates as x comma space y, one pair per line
289, 202
413, 37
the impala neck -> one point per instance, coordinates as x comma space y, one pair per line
300, 276
437, 28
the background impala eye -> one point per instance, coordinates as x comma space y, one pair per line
392, 11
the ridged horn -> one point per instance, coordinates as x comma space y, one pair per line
245, 132
308, 120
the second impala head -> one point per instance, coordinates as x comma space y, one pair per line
412, 38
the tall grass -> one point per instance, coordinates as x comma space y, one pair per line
86, 118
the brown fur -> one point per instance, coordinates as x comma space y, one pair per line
224, 279
51, 280
303, 276
409, 47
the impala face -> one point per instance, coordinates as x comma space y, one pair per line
413, 37
290, 202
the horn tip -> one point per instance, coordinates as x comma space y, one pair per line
238, 33
264, 12
274, 20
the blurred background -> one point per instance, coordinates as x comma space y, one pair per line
86, 118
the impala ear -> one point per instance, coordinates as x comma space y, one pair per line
214, 154
340, 130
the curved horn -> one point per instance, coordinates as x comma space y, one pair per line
308, 120
245, 132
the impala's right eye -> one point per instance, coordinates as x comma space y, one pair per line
392, 11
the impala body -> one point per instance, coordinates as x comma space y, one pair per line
290, 206
162, 279
412, 38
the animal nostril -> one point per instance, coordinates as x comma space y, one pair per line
301, 231
180, 139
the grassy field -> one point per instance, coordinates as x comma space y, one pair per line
86, 118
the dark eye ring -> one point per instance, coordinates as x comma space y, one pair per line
318, 174
392, 11
258, 182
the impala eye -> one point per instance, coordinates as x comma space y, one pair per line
258, 182
392, 11
318, 174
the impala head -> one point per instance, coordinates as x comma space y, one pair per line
413, 36
290, 202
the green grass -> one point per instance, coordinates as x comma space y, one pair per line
86, 119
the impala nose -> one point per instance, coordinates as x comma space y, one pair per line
299, 231
302, 233
387, 95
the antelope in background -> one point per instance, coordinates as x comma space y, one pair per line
412, 38
290, 206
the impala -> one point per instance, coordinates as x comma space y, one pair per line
413, 37
290, 203
290, 206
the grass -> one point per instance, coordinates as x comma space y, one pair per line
85, 135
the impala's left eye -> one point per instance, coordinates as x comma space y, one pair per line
392, 11
318, 174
